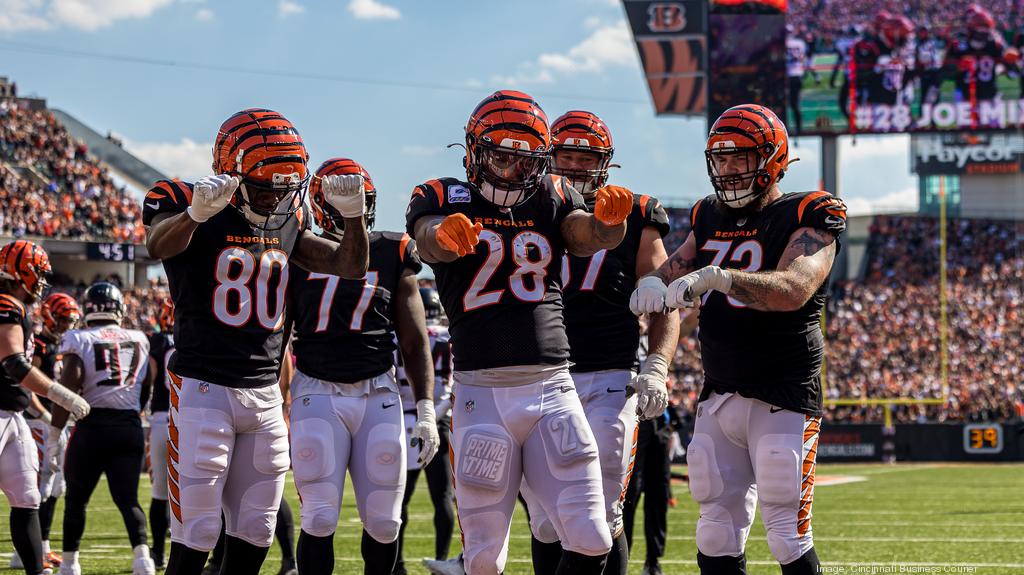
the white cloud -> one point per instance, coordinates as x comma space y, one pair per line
869, 148
92, 15
286, 8
592, 22
373, 10
421, 151
204, 15
473, 83
187, 159
22, 15
88, 15
608, 45
905, 200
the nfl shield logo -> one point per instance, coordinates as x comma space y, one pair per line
470, 405
204, 387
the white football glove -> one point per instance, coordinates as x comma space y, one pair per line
687, 290
55, 444
210, 195
345, 194
425, 432
651, 387
69, 400
648, 297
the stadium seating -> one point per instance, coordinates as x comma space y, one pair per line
50, 187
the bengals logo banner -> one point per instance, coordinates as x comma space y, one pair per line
671, 39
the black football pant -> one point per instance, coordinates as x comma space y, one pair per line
111, 442
651, 475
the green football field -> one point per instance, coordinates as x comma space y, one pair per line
905, 518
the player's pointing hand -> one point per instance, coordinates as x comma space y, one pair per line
613, 205
458, 235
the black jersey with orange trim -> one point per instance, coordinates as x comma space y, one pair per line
47, 350
772, 356
345, 329
977, 65
161, 348
603, 332
228, 288
504, 301
13, 397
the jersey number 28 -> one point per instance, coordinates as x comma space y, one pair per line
536, 270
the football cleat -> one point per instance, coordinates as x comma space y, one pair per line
143, 566
445, 567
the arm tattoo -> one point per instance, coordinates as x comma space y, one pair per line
676, 266
753, 289
809, 243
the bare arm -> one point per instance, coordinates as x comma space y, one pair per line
663, 335
425, 234
585, 235
804, 266
147, 383
681, 262
348, 258
70, 377
169, 235
411, 326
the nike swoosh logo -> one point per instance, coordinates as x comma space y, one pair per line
154, 205
387, 405
610, 390
776, 409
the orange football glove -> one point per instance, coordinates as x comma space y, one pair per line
458, 235
614, 203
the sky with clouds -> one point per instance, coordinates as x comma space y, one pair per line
389, 83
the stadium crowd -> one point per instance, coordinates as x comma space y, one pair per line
827, 18
51, 187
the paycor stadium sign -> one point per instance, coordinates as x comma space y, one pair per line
968, 154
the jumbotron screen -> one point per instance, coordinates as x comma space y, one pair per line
878, 66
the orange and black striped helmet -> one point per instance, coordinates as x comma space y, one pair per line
324, 213
266, 152
166, 318
507, 147
26, 264
60, 313
580, 131
747, 153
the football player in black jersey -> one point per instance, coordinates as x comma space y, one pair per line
975, 57
604, 334
23, 270
346, 413
757, 261
228, 271
495, 243
59, 313
161, 346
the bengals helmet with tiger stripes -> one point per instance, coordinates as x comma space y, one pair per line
507, 145
324, 214
166, 318
755, 135
60, 313
582, 132
265, 151
27, 265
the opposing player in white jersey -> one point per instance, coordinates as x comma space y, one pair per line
23, 270
107, 365
438, 471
